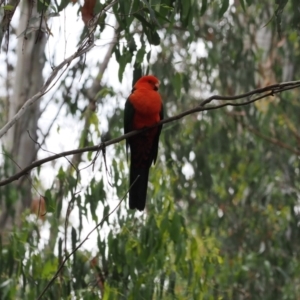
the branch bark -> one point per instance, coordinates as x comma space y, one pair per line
28, 78
8, 15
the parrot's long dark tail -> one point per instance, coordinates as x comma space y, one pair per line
138, 191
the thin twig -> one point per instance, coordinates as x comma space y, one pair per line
272, 140
77, 247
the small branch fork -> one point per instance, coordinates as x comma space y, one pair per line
250, 97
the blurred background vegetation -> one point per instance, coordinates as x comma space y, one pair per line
223, 201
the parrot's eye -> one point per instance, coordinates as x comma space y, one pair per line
155, 85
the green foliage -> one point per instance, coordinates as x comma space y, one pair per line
242, 188
8, 7
43, 5
223, 200
139, 258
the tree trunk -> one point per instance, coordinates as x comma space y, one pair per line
20, 140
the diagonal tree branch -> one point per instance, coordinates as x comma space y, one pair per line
267, 91
45, 87
86, 46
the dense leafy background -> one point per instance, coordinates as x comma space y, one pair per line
223, 201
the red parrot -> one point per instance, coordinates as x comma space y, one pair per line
143, 108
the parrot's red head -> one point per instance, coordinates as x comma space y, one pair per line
147, 82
